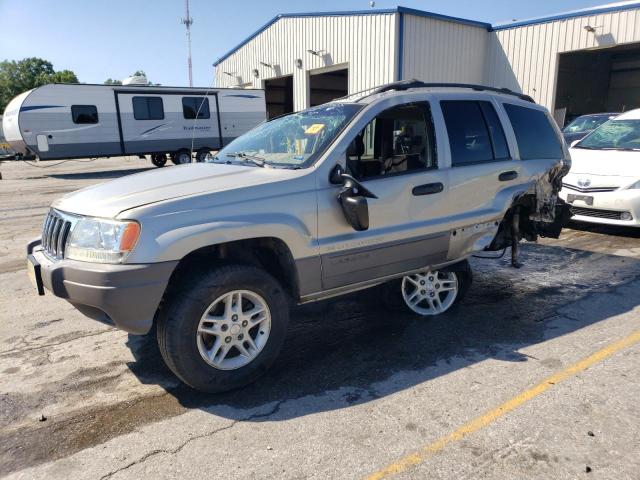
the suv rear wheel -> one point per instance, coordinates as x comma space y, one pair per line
227, 331
430, 292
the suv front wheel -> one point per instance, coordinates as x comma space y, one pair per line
226, 331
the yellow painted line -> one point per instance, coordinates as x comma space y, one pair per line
480, 422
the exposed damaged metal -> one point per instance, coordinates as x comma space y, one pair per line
538, 212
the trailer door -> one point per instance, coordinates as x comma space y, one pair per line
167, 122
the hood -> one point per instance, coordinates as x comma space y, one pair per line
605, 162
109, 199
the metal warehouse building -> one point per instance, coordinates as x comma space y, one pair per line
577, 62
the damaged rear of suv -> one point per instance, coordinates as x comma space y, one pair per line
396, 187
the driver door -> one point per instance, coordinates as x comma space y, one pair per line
394, 157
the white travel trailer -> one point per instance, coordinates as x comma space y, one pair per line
79, 120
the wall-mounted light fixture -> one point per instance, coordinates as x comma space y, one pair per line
229, 73
255, 72
590, 29
314, 52
299, 62
266, 65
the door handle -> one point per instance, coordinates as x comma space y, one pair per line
428, 189
506, 176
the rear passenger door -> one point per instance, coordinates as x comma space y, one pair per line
482, 168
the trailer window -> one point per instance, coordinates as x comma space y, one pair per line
148, 108
195, 106
84, 113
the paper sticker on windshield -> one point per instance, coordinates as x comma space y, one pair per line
314, 129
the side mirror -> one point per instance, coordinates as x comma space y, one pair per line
335, 177
356, 211
574, 143
353, 200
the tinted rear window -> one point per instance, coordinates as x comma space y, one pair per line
475, 133
536, 137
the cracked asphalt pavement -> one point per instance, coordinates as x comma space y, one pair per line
355, 389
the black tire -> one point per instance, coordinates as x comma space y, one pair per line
159, 159
179, 318
201, 155
391, 297
181, 157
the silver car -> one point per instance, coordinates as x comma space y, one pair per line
393, 187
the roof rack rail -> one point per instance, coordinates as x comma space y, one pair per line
413, 83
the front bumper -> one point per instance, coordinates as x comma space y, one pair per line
126, 296
606, 207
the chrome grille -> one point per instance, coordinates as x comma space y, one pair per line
55, 233
589, 189
593, 212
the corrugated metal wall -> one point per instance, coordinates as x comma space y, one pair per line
363, 43
441, 51
525, 58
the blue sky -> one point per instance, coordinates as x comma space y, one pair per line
98, 39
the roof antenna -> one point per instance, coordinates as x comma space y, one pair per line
188, 21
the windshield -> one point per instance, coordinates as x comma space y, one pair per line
293, 141
614, 135
586, 123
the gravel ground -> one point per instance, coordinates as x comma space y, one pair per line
356, 390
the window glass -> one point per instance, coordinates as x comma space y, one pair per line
468, 134
192, 106
614, 135
84, 113
399, 140
498, 140
536, 138
148, 108
294, 140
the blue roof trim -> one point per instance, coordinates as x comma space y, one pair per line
446, 18
386, 11
573, 14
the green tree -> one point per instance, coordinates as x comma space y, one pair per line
111, 81
19, 76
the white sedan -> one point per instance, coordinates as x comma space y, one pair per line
603, 185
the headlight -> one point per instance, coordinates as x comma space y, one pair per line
102, 241
634, 186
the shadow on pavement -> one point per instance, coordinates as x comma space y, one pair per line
352, 346
106, 174
618, 231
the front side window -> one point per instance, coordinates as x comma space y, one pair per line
474, 131
148, 108
399, 140
295, 140
195, 107
613, 135
84, 113
536, 138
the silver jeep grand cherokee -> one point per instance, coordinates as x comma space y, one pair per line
395, 187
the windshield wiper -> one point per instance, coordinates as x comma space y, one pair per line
623, 149
259, 161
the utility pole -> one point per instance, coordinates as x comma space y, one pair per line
188, 21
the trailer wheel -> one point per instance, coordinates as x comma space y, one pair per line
181, 157
159, 159
201, 155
